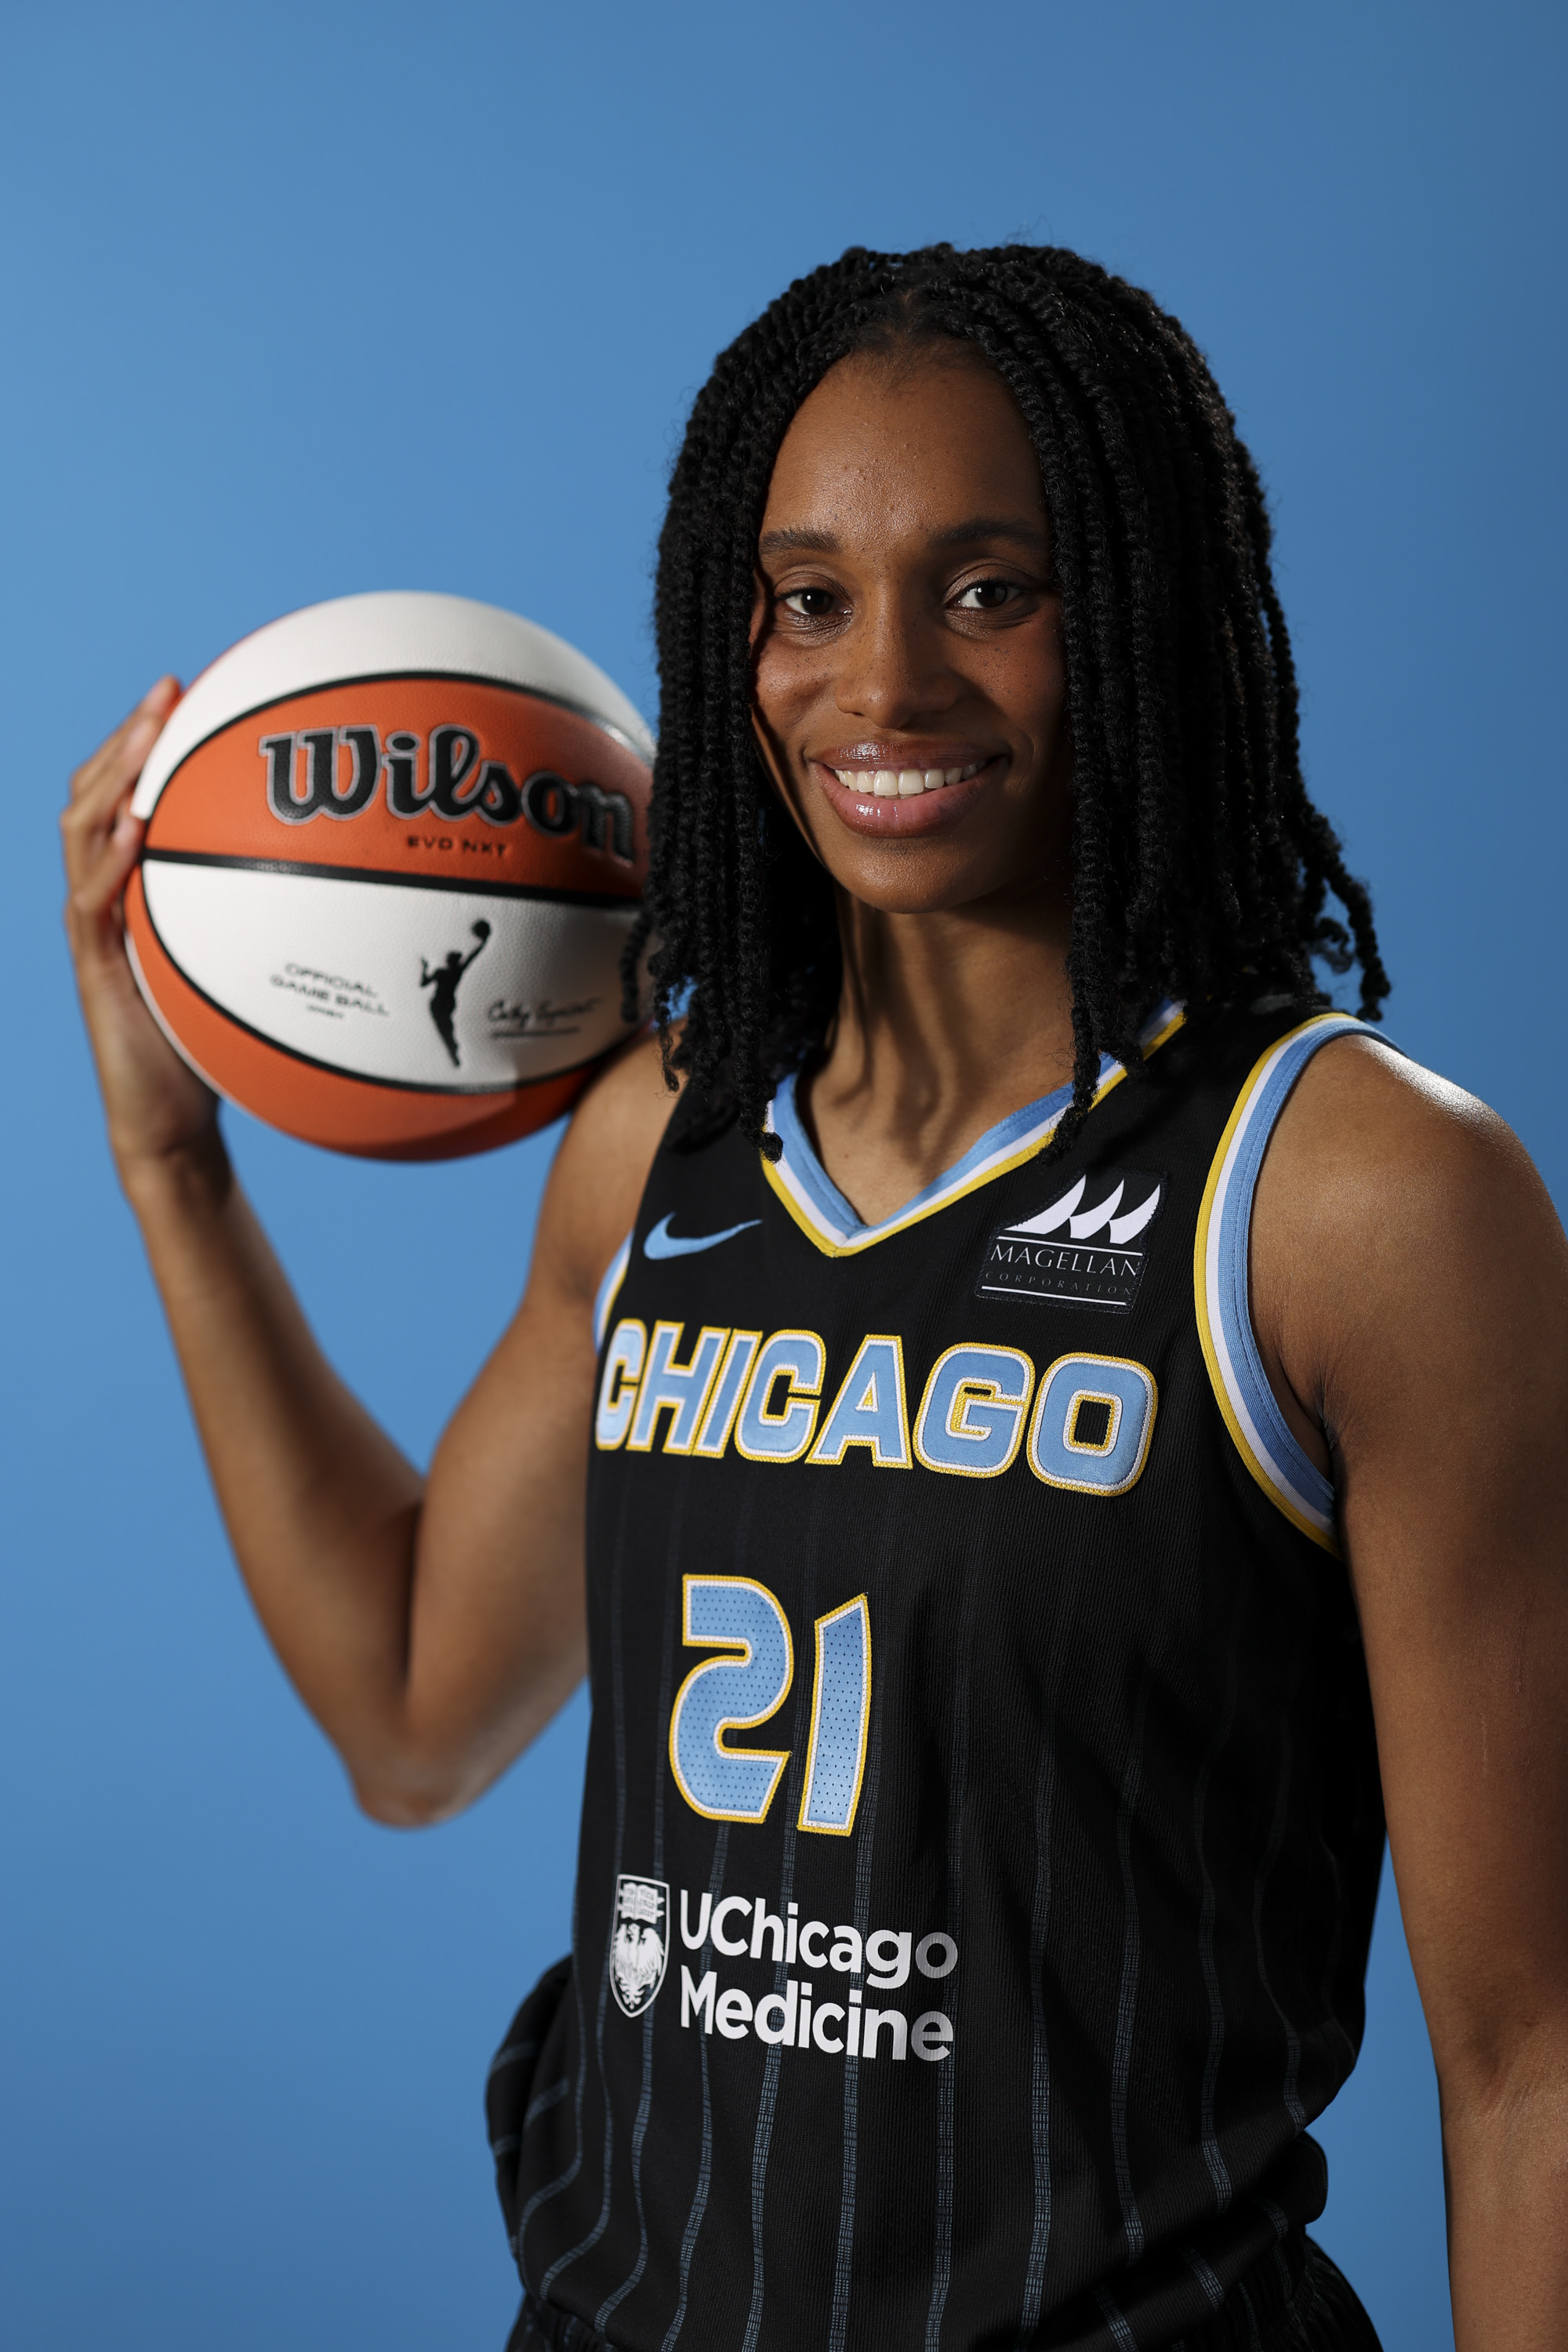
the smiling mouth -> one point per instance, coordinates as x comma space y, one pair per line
904, 784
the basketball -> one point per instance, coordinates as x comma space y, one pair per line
394, 845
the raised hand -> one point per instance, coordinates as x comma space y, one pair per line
156, 1106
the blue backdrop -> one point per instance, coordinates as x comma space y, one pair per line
300, 299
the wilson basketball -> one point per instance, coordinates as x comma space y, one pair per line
395, 844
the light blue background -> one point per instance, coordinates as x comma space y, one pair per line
300, 299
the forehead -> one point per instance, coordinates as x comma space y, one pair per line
906, 442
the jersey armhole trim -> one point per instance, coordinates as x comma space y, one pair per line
1263, 1438
609, 1290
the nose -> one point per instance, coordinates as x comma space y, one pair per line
895, 671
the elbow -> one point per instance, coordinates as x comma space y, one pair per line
410, 1800
396, 1808
1509, 2093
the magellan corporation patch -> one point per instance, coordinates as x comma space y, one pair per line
1087, 1248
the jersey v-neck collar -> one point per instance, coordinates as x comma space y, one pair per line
826, 1217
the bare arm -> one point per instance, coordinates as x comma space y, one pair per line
1410, 1284
432, 1627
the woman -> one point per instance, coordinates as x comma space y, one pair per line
978, 1860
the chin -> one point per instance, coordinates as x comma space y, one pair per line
916, 886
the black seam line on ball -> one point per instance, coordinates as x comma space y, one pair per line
338, 1069
473, 886
416, 677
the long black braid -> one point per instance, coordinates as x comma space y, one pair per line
1201, 869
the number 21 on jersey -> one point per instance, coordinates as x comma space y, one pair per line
747, 1684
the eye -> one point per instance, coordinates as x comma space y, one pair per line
986, 595
811, 603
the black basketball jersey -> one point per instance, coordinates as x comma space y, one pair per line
981, 1826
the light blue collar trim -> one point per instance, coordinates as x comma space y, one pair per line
836, 1212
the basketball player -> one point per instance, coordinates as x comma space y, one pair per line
443, 983
1057, 1436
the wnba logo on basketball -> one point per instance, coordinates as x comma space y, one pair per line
334, 772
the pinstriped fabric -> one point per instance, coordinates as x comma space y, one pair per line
1039, 1921
705, 2162
613, 2302
617, 1684
1293, 2106
1254, 2341
768, 2103
545, 2100
515, 2053
1075, 1824
844, 2252
1204, 2276
1336, 1943
1127, 1995
958, 1784
1218, 2172
553, 2188
1116, 2320
1316, 2312
1040, 2060
761, 2146
564, 2180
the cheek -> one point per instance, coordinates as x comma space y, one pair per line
786, 677
1026, 676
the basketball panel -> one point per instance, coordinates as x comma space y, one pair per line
421, 776
321, 1105
377, 635
457, 992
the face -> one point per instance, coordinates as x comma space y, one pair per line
910, 692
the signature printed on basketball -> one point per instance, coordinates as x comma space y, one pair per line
542, 1020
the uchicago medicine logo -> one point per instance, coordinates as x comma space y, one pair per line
639, 1946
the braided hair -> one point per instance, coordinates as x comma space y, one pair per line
1200, 867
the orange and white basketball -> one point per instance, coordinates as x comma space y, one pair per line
395, 844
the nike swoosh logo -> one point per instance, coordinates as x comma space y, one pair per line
662, 1243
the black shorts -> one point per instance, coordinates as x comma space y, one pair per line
1322, 2315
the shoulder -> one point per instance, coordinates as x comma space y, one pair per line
1370, 1145
597, 1180
1399, 1228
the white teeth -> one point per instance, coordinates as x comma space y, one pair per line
886, 783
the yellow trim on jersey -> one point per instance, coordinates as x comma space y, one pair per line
800, 1210
1259, 1469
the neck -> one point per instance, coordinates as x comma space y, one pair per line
946, 1023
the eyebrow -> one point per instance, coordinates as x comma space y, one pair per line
958, 534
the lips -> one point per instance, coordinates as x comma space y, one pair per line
875, 796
